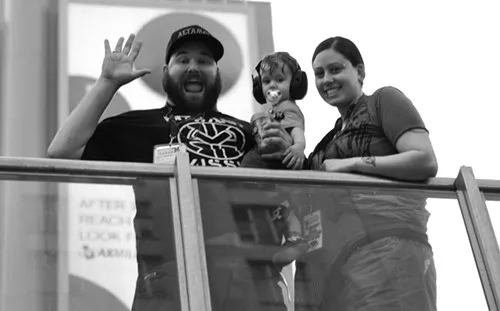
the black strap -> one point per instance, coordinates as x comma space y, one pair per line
330, 135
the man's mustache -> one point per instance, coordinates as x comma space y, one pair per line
196, 76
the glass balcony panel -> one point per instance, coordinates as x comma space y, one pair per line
494, 212
245, 226
72, 246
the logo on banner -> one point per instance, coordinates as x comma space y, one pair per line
93, 253
217, 141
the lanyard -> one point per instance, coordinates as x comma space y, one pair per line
174, 125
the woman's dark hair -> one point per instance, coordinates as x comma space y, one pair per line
343, 46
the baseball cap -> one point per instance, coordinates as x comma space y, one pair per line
194, 33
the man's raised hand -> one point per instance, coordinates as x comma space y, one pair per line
118, 65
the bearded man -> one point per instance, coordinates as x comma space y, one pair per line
191, 80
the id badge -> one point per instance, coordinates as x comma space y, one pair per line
165, 154
313, 231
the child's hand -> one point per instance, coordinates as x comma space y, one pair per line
294, 157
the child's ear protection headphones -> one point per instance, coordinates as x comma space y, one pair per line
298, 85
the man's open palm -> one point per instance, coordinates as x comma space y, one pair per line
118, 66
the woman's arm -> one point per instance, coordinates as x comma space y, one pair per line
405, 130
415, 161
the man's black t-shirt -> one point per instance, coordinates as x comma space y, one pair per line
212, 138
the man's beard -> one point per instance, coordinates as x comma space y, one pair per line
175, 93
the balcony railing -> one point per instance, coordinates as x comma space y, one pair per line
39, 250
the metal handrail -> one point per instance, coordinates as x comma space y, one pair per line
75, 167
126, 172
78, 171
440, 186
58, 169
318, 177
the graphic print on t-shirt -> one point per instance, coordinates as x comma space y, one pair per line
356, 139
213, 141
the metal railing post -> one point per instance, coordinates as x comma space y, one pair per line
481, 235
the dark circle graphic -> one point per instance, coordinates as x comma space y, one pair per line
156, 34
80, 85
86, 295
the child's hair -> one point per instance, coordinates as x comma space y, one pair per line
270, 63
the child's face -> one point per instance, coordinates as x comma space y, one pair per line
277, 79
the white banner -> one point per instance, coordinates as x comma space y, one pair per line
90, 24
101, 246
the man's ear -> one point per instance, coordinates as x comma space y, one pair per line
164, 78
218, 81
360, 68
